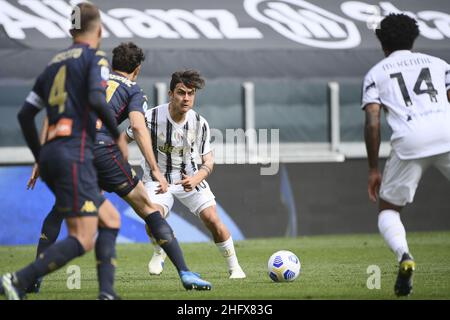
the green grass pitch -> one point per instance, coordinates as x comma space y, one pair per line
333, 267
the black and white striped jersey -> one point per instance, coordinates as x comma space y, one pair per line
175, 145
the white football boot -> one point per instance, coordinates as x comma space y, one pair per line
156, 263
237, 273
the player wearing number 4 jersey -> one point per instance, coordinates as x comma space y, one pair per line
178, 133
72, 90
127, 100
414, 90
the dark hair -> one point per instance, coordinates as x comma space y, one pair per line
127, 57
84, 18
190, 78
397, 32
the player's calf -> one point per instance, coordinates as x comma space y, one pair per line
165, 238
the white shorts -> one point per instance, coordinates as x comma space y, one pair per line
401, 177
195, 200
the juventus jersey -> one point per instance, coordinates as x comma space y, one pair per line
412, 87
175, 145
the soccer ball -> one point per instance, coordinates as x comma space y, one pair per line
284, 266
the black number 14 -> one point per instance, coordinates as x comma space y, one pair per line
423, 76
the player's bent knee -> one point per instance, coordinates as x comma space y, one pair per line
109, 217
112, 221
162, 209
209, 215
86, 242
140, 201
84, 229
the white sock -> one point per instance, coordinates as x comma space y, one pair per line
226, 248
393, 232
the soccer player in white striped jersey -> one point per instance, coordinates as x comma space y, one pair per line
178, 134
414, 90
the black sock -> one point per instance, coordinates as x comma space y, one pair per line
50, 231
164, 236
52, 259
105, 253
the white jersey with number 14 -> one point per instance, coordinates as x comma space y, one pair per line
412, 87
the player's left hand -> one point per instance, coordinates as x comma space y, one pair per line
33, 178
163, 184
188, 183
374, 184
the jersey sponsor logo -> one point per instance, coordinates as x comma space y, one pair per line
166, 148
63, 128
88, 207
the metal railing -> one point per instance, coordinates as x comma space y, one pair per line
332, 151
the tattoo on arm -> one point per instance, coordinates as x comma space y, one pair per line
206, 168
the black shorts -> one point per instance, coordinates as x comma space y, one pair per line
73, 182
114, 173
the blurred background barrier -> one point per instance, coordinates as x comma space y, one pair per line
302, 199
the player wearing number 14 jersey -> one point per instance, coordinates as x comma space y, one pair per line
414, 90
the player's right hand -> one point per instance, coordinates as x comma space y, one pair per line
163, 184
374, 184
33, 178
123, 145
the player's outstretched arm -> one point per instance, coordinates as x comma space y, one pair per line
144, 142
372, 138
